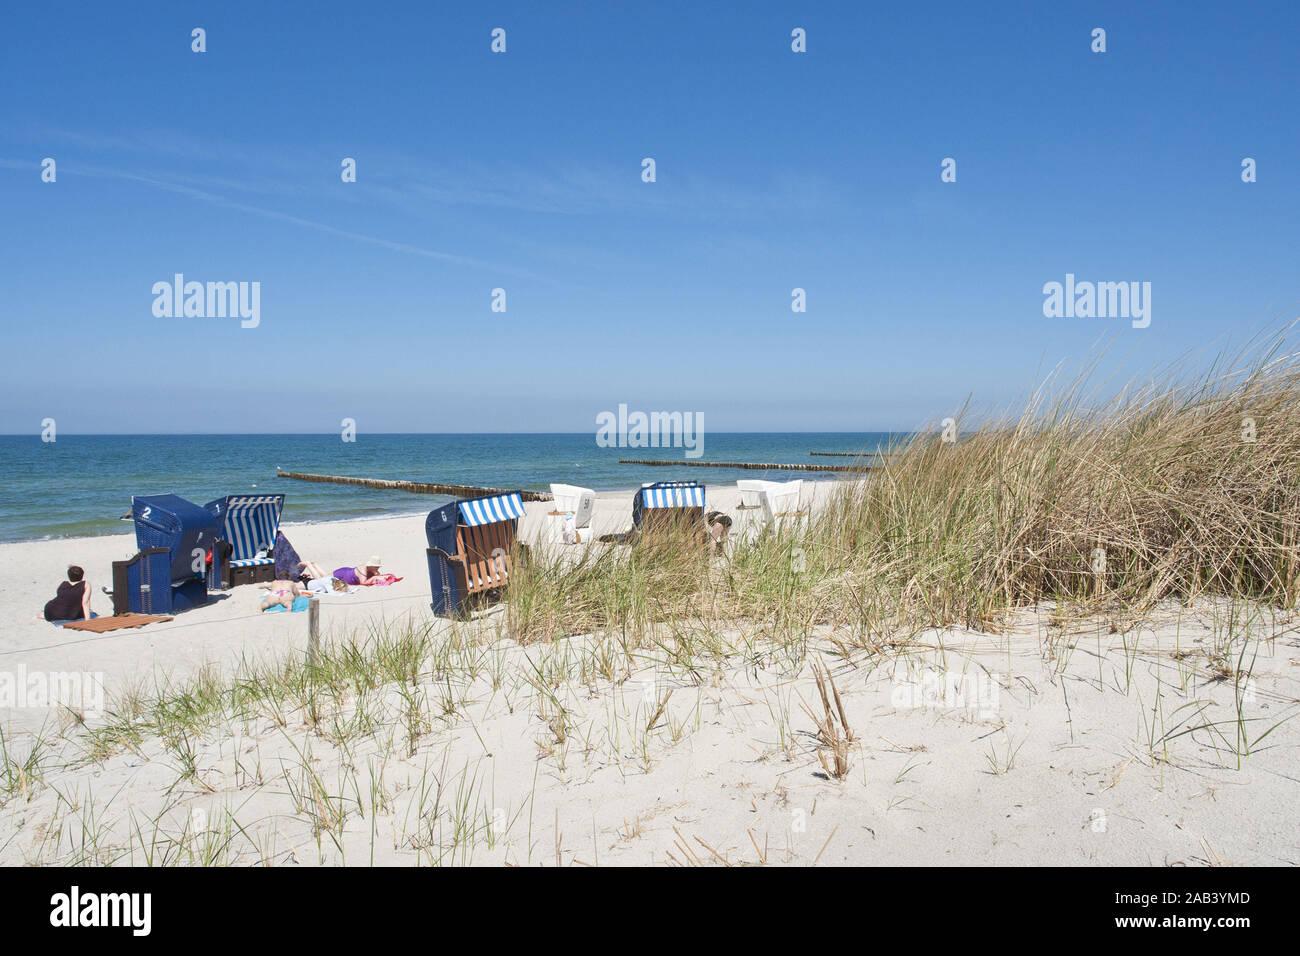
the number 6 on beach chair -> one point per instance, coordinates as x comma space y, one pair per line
470, 547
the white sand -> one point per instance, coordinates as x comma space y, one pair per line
230, 626
1043, 755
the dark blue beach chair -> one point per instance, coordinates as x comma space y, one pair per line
143, 585
182, 531
248, 524
470, 545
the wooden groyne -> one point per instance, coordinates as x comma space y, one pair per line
750, 465
415, 487
852, 454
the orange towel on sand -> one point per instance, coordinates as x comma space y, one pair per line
101, 624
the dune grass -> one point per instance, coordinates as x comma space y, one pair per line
1180, 487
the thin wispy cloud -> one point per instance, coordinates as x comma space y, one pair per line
183, 189
399, 178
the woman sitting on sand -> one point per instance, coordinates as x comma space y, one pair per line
362, 574
72, 603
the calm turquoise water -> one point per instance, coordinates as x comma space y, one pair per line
80, 484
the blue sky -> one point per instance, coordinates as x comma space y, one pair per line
522, 171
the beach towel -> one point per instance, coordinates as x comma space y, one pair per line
299, 604
324, 586
101, 624
287, 563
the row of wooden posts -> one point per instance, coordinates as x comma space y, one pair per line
749, 465
415, 487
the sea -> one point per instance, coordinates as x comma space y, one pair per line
81, 485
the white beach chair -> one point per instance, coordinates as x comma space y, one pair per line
749, 520
575, 501
771, 505
782, 503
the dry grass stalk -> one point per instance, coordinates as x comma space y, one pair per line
833, 732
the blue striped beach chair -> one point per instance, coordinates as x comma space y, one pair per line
664, 502
470, 546
248, 523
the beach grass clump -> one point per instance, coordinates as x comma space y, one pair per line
1176, 488
624, 589
1182, 486
20, 773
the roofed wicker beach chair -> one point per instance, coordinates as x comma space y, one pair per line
770, 505
175, 537
575, 501
248, 524
750, 517
472, 543
783, 504
663, 506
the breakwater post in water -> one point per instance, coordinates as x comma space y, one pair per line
415, 487
853, 454
751, 465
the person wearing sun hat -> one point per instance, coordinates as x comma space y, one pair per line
362, 573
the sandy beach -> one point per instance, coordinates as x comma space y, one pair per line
230, 627
1050, 742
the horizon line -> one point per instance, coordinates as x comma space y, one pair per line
37, 434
